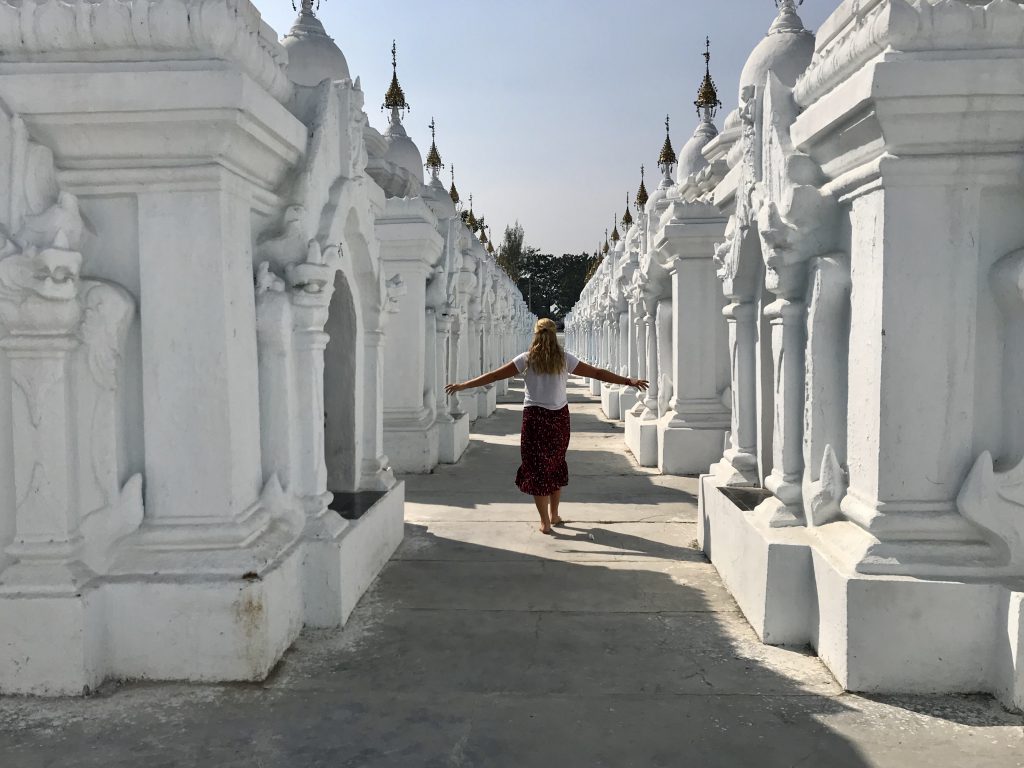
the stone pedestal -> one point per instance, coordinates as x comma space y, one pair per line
642, 439
687, 450
610, 401
453, 439
627, 401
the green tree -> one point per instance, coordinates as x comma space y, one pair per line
551, 284
511, 251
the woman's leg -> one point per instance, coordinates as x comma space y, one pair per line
555, 498
543, 503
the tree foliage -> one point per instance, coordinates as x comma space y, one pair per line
551, 285
510, 252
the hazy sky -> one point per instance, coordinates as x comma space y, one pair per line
547, 108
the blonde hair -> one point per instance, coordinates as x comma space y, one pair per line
545, 354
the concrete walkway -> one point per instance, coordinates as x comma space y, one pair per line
487, 644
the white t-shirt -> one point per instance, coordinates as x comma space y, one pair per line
546, 389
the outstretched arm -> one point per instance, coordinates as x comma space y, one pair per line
506, 371
582, 369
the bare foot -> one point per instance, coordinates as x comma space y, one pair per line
558, 521
546, 530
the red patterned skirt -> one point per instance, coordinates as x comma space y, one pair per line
545, 439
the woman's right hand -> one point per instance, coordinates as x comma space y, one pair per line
641, 384
451, 389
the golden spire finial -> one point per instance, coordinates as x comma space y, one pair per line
453, 192
667, 157
604, 248
707, 102
306, 6
471, 221
433, 164
616, 237
627, 217
394, 99
641, 194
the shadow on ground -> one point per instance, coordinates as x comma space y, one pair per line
601, 472
480, 662
485, 644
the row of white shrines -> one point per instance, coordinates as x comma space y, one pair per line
228, 309
828, 299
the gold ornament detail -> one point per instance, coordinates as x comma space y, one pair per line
668, 155
707, 101
616, 237
627, 217
641, 194
395, 97
433, 164
453, 193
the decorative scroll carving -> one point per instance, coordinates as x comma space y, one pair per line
994, 500
396, 288
64, 339
795, 220
107, 313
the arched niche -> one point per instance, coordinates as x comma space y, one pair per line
343, 411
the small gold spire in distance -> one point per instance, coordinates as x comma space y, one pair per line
627, 217
604, 248
668, 155
471, 221
641, 194
433, 164
395, 97
615, 231
453, 192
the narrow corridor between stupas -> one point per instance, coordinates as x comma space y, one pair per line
485, 643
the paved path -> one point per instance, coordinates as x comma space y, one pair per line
487, 644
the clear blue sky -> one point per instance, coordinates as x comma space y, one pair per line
547, 107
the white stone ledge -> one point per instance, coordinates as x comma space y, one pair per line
211, 116
878, 634
85, 31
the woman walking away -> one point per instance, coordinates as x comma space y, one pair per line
545, 435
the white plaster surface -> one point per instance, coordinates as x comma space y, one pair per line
179, 403
639, 640
856, 219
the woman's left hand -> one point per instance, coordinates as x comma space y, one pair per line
451, 389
